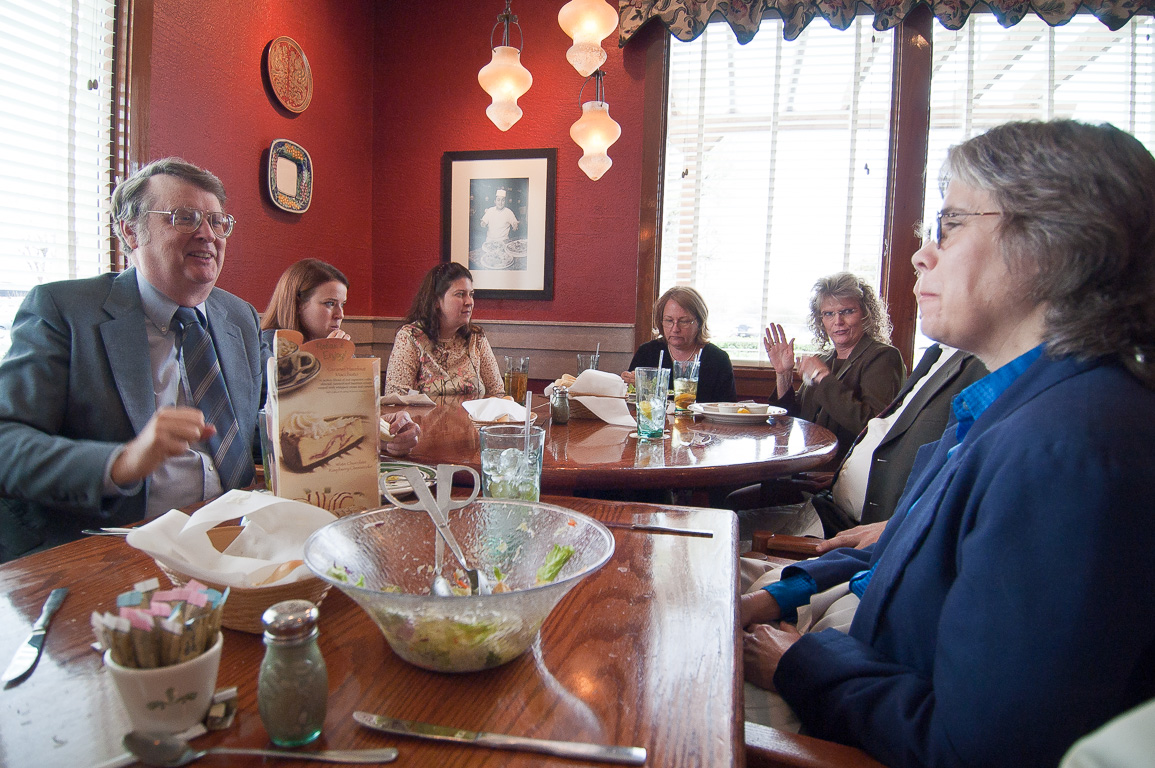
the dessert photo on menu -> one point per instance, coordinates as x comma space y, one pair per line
324, 412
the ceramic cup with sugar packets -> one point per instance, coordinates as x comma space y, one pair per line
168, 699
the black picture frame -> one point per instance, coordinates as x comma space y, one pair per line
510, 258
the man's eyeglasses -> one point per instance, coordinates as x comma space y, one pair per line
682, 324
188, 220
953, 219
843, 313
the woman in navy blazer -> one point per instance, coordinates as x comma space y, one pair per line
1008, 608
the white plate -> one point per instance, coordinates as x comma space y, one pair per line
396, 483
710, 412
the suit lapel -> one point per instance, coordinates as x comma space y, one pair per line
126, 346
910, 410
230, 348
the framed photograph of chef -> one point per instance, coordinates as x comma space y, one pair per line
497, 219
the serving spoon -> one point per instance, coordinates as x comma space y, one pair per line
169, 750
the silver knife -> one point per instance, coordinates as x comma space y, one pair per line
29, 653
575, 749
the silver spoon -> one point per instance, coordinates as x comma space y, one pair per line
169, 750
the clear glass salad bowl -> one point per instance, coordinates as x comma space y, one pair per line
386, 560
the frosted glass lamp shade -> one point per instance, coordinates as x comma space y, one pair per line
505, 80
594, 132
588, 22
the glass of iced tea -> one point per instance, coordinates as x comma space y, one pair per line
516, 377
685, 384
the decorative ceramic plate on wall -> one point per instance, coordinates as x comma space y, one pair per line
290, 176
289, 74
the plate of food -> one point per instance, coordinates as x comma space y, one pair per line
495, 256
736, 413
295, 369
393, 481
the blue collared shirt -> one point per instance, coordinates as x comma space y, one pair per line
968, 405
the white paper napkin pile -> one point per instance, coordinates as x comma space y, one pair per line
493, 408
275, 534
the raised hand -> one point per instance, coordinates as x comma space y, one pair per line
168, 433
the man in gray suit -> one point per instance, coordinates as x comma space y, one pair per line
98, 422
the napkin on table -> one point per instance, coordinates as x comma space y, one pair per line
275, 534
602, 393
493, 408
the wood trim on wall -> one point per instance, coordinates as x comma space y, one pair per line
906, 183
551, 347
656, 41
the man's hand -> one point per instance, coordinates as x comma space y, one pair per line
168, 433
859, 537
758, 607
762, 649
406, 433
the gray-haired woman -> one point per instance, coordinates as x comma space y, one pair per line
845, 387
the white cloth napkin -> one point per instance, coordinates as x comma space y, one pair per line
413, 397
275, 534
493, 408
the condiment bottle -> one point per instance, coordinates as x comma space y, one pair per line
559, 405
293, 687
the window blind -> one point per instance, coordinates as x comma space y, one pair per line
55, 113
985, 75
775, 171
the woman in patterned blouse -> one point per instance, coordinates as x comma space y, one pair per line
438, 350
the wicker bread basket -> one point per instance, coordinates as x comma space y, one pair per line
246, 605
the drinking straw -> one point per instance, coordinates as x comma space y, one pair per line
661, 358
598, 351
528, 416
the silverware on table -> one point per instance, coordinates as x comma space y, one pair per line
574, 749
107, 531
29, 653
171, 751
659, 529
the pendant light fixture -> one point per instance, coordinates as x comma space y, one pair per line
595, 131
588, 22
504, 78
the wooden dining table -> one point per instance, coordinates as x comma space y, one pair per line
642, 653
589, 454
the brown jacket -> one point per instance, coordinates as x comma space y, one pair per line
843, 402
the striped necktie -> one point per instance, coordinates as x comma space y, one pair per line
229, 451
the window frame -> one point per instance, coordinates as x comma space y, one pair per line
905, 184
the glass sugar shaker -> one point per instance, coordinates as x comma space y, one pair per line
559, 405
293, 686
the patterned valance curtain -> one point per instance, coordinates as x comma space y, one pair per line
687, 18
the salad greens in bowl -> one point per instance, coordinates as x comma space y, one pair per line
532, 554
